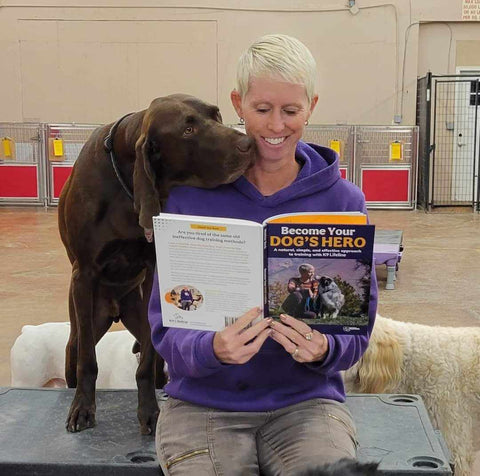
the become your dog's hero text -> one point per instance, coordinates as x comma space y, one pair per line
329, 236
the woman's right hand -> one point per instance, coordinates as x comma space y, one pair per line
237, 345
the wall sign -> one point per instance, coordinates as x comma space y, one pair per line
471, 10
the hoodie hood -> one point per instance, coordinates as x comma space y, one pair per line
319, 172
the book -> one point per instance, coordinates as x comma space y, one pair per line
314, 266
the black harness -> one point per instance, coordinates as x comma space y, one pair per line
108, 144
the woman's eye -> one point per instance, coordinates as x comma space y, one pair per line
262, 111
290, 112
188, 130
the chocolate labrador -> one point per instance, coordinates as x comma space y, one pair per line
121, 177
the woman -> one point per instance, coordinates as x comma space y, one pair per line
300, 291
268, 397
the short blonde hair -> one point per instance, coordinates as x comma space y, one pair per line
277, 56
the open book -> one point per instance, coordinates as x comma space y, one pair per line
313, 266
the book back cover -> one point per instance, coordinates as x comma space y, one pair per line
210, 270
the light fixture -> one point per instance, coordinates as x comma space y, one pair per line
352, 7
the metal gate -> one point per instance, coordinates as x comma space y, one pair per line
381, 160
70, 138
22, 165
385, 165
448, 116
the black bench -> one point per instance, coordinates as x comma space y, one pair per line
394, 430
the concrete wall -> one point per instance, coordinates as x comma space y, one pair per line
444, 46
90, 62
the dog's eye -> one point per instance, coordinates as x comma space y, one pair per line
188, 131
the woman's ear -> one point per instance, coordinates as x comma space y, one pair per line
313, 103
237, 102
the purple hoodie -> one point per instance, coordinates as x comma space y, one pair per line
271, 379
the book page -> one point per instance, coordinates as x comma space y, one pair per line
210, 270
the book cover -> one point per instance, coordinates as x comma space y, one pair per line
212, 270
320, 274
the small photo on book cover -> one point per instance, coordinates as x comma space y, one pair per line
184, 297
335, 291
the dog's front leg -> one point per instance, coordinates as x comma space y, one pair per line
148, 410
71, 351
82, 409
134, 314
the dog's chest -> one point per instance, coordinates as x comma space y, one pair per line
122, 261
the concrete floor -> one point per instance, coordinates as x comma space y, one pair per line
438, 280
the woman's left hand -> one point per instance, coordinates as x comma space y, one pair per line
299, 340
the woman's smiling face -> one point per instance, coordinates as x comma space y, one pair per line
275, 112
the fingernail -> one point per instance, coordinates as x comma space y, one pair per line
269, 320
283, 317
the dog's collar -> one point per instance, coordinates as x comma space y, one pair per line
108, 144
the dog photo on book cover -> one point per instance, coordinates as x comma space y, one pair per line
337, 290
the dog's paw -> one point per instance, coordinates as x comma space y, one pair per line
81, 416
148, 421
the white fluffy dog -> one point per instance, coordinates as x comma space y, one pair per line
37, 358
441, 364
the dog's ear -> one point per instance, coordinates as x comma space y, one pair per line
216, 114
380, 368
146, 198
136, 347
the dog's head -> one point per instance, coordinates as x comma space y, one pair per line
325, 283
183, 142
344, 467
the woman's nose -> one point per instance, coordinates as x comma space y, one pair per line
276, 123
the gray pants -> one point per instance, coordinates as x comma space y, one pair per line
204, 441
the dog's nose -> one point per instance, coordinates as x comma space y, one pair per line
245, 144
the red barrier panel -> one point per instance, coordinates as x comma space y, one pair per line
18, 181
386, 185
60, 176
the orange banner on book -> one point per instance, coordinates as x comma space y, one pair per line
208, 227
323, 219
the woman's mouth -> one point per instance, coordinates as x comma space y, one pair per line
274, 140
